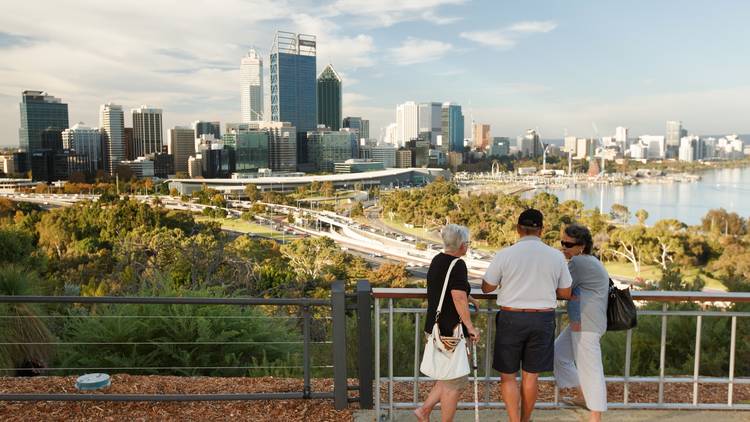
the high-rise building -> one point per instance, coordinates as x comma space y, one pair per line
452, 128
251, 148
655, 146
420, 152
181, 145
204, 128
40, 112
147, 131
251, 87
365, 132
499, 147
687, 149
621, 137
112, 127
355, 124
86, 141
480, 135
430, 120
403, 158
329, 98
530, 144
385, 154
282, 148
217, 160
293, 80
7, 165
389, 137
407, 122
128, 146
674, 133
329, 147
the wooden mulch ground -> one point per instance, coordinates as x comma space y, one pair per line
269, 410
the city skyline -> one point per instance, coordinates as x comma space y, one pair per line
552, 68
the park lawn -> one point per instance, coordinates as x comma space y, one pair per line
652, 272
242, 226
418, 232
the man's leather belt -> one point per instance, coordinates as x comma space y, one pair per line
509, 309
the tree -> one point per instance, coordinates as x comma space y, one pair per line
389, 275
327, 189
620, 213
722, 222
669, 242
642, 216
627, 243
358, 210
251, 192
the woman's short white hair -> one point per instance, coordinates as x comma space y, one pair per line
454, 236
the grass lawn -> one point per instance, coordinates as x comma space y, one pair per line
652, 272
243, 226
420, 233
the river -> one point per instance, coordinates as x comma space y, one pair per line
687, 202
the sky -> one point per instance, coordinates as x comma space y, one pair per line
575, 67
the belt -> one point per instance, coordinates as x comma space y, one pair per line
509, 309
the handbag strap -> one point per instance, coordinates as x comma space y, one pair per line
445, 287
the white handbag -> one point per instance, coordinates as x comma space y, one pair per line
445, 358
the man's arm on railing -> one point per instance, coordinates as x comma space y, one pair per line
488, 287
564, 294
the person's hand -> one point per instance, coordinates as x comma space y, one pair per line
473, 334
474, 302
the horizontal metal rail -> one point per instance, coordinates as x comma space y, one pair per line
167, 300
157, 368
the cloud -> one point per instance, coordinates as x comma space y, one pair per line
8, 40
507, 38
497, 39
384, 13
416, 50
533, 27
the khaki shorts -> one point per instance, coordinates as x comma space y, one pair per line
457, 383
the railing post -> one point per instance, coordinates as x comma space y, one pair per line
306, 389
338, 312
364, 341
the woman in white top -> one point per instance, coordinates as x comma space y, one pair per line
578, 356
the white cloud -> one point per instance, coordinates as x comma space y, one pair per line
384, 13
533, 26
497, 39
416, 50
507, 38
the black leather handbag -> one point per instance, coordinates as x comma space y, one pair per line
621, 311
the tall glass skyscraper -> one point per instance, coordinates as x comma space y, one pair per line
40, 112
293, 80
251, 87
329, 98
147, 131
453, 128
112, 127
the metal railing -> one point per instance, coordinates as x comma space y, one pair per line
335, 307
389, 404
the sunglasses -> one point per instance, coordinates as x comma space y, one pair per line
568, 245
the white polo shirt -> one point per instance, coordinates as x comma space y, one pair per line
529, 273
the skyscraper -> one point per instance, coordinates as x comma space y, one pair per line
674, 133
530, 144
112, 127
181, 145
480, 135
365, 131
147, 131
407, 122
251, 148
329, 98
355, 124
251, 87
282, 148
452, 128
86, 141
40, 112
430, 120
293, 78
204, 128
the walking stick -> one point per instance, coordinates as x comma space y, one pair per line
476, 388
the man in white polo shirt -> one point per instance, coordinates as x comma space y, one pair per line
529, 278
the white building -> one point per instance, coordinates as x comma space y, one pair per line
687, 149
407, 122
7, 164
195, 167
181, 145
86, 141
251, 87
730, 147
638, 151
656, 146
584, 148
390, 135
570, 144
621, 137
141, 167
112, 127
148, 136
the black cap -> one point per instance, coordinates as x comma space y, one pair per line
531, 218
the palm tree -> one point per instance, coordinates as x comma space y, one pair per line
23, 335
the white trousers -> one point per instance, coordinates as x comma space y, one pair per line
578, 362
